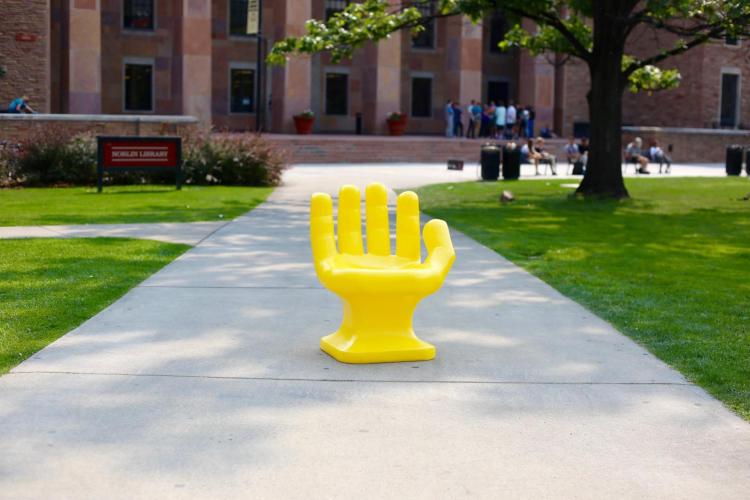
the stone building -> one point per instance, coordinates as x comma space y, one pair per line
192, 57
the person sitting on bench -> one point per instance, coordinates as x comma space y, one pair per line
634, 154
527, 153
658, 155
543, 156
572, 153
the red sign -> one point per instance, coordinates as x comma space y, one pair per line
140, 153
26, 37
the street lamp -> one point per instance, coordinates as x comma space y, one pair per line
255, 27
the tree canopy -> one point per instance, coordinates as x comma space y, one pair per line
563, 27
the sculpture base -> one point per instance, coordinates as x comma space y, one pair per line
380, 349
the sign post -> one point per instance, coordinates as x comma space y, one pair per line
122, 154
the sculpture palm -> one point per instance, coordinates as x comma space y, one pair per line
379, 290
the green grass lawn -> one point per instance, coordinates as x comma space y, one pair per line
670, 267
50, 286
119, 204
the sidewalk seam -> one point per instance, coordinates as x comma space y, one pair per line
374, 381
212, 233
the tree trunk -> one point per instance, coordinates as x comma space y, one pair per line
603, 176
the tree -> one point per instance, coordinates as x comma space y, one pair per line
595, 31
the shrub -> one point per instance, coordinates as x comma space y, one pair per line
232, 160
8, 150
53, 156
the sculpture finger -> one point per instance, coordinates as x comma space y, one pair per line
407, 226
321, 226
350, 221
378, 233
440, 250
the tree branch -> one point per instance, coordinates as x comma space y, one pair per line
554, 21
681, 49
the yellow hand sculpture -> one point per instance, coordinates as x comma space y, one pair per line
379, 291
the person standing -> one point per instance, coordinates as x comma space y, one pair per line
458, 125
510, 119
476, 111
484, 128
500, 120
472, 122
449, 118
523, 116
491, 113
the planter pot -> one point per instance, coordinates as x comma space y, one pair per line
396, 127
303, 124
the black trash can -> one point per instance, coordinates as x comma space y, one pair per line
511, 162
490, 159
747, 162
734, 160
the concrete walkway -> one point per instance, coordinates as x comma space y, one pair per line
206, 381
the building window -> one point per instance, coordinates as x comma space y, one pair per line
334, 6
139, 83
426, 38
138, 14
337, 93
238, 17
421, 96
730, 100
242, 90
498, 29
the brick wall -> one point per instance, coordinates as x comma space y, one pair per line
690, 145
381, 149
24, 52
18, 127
695, 103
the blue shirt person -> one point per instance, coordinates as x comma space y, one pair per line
20, 105
458, 125
449, 118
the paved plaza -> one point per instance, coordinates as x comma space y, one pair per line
207, 381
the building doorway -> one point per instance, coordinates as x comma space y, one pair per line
497, 92
730, 98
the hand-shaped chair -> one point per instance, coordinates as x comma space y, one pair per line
379, 291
